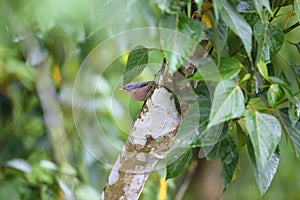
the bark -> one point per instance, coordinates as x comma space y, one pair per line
153, 133
151, 137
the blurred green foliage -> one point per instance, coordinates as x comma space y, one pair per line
65, 33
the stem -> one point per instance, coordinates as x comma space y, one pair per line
275, 13
285, 130
291, 28
186, 181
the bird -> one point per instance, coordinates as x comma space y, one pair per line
139, 91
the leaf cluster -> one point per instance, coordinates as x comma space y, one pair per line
255, 99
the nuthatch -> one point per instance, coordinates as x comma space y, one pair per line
139, 91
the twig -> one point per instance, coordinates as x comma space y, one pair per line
186, 181
291, 28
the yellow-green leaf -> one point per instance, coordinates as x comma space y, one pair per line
262, 67
274, 94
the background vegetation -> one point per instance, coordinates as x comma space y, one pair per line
43, 44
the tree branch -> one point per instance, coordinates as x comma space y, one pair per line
153, 133
61, 147
151, 137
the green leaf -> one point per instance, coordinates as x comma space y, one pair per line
262, 67
293, 132
245, 78
265, 132
204, 108
177, 168
229, 67
199, 4
226, 151
294, 113
190, 27
295, 68
218, 36
287, 90
211, 137
237, 131
218, 6
168, 21
263, 176
248, 10
12, 69
207, 71
171, 6
136, 63
228, 103
238, 25
274, 94
259, 5
188, 126
180, 39
270, 40
266, 4
204, 103
297, 8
